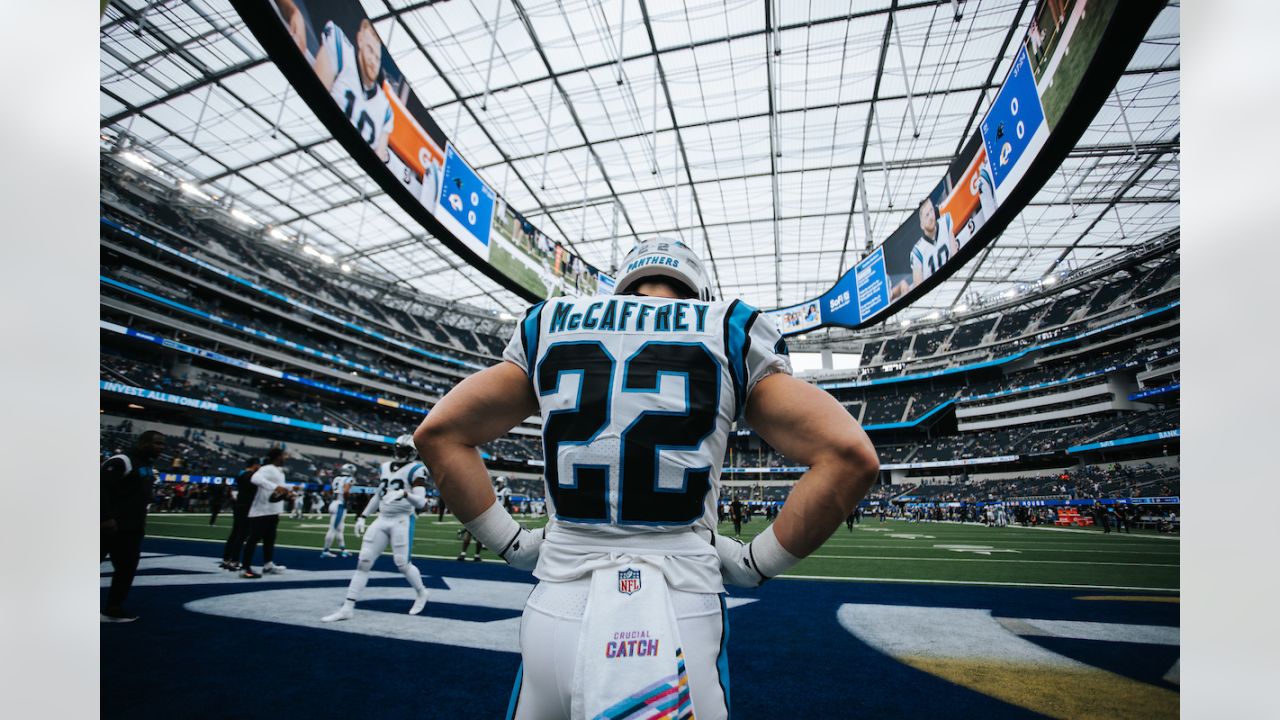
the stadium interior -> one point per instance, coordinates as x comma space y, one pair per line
258, 290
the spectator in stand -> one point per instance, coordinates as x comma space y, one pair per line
124, 492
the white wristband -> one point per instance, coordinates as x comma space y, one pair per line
768, 555
495, 528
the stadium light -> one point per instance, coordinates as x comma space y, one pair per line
1049, 280
137, 160
506, 316
346, 267
932, 316
1010, 293
278, 234
326, 258
194, 191
905, 323
310, 250
244, 217
960, 308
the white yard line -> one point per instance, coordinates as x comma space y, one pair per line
996, 560
978, 582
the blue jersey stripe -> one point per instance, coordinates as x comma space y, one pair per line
737, 321
529, 336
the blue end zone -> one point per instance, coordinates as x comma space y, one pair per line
789, 655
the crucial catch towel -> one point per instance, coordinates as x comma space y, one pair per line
630, 661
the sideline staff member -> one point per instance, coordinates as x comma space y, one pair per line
126, 487
245, 492
264, 513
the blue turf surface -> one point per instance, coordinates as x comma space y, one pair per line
788, 655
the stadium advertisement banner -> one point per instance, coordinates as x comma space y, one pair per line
259, 369
318, 312
842, 385
210, 406
1069, 59
991, 460
256, 333
195, 479
384, 118
1149, 437
1174, 387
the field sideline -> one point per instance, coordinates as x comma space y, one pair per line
894, 551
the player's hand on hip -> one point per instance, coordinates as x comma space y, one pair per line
359, 526
523, 553
736, 566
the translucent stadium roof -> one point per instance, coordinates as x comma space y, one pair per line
742, 126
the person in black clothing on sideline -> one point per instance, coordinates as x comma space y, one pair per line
216, 495
245, 491
126, 486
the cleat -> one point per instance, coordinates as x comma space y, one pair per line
342, 613
233, 566
476, 558
274, 569
249, 574
420, 602
345, 553
327, 554
117, 616
462, 557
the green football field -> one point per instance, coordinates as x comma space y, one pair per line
894, 551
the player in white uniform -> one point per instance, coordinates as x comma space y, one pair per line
638, 393
936, 246
338, 511
401, 494
353, 77
503, 492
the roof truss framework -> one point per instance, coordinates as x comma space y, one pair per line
752, 128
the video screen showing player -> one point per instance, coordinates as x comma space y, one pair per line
353, 76
347, 56
934, 246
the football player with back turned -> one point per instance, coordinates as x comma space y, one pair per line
638, 393
401, 494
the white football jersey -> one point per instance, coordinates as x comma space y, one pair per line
399, 477
340, 485
368, 110
637, 396
926, 256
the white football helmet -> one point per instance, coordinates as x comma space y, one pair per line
666, 258
404, 448
349, 469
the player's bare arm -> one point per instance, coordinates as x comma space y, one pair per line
805, 424
480, 409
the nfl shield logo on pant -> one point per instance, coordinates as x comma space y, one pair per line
628, 581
